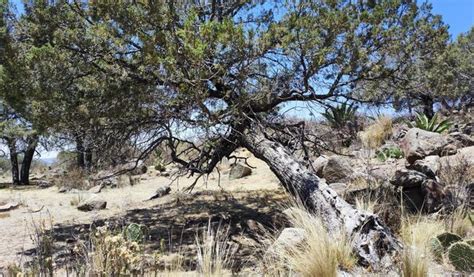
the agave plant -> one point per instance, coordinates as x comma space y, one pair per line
339, 116
432, 125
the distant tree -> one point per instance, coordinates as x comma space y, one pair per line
206, 78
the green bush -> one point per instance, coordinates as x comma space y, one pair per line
432, 125
390, 152
340, 115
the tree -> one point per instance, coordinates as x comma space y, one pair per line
205, 79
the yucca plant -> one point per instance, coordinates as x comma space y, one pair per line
339, 116
432, 125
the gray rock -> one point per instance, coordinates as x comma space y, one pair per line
160, 192
428, 166
97, 188
464, 157
238, 171
63, 189
9, 206
43, 184
337, 168
408, 178
461, 140
288, 238
418, 144
93, 203
339, 188
319, 164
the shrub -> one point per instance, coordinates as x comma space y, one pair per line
376, 134
339, 116
320, 254
388, 153
432, 125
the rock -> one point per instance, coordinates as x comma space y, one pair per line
43, 184
449, 149
461, 140
337, 168
418, 144
93, 203
238, 171
463, 158
97, 189
9, 206
408, 178
428, 166
383, 172
319, 164
288, 238
108, 178
433, 196
63, 189
160, 192
339, 188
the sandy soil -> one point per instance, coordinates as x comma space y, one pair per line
47, 206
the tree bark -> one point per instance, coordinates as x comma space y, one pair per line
11, 143
80, 153
373, 242
32, 142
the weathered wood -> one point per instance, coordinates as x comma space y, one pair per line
373, 242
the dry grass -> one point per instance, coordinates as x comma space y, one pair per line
318, 255
365, 203
214, 251
416, 233
376, 134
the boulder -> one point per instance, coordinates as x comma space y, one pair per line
407, 178
386, 171
160, 192
287, 239
9, 206
238, 171
93, 203
463, 157
428, 166
319, 164
97, 188
433, 196
461, 140
43, 184
339, 188
337, 168
418, 144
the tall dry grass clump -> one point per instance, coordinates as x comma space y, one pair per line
319, 254
416, 232
214, 251
376, 134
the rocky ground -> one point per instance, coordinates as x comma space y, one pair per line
436, 171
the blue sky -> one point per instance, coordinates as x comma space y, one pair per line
458, 14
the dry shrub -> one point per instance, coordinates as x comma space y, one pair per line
376, 134
320, 254
42, 236
416, 233
74, 178
214, 251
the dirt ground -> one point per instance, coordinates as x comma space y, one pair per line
241, 203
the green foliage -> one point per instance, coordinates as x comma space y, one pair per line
461, 256
134, 233
339, 116
447, 239
388, 153
436, 249
432, 125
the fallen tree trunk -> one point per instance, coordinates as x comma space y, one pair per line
373, 242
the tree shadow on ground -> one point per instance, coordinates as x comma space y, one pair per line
174, 225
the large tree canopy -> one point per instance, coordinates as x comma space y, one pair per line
207, 77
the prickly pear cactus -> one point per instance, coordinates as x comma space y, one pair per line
436, 249
461, 256
133, 232
447, 239
470, 242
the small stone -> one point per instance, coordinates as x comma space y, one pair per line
93, 203
160, 192
97, 189
238, 171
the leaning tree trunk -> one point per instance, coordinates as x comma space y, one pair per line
373, 242
11, 143
27, 159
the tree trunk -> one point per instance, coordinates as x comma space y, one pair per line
80, 153
373, 242
428, 108
88, 159
11, 143
27, 159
